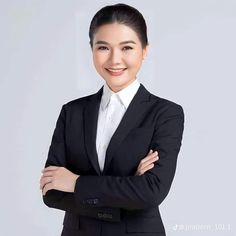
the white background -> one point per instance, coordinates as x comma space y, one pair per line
46, 61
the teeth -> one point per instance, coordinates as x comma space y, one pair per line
116, 70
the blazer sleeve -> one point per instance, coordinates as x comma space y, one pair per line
149, 189
63, 200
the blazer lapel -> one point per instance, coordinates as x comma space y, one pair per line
130, 120
90, 128
133, 115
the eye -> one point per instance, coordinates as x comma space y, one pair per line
102, 48
127, 48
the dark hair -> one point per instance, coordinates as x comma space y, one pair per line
123, 14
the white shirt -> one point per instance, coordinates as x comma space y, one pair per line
112, 108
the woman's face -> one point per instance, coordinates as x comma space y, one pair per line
117, 54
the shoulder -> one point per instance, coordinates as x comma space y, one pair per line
167, 112
81, 102
167, 104
163, 105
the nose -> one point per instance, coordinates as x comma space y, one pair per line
115, 57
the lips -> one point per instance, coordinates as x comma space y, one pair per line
116, 71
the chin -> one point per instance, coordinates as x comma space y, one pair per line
117, 82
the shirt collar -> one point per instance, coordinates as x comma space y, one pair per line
125, 95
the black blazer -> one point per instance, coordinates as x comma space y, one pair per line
115, 201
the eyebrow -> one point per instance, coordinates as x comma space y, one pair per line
121, 43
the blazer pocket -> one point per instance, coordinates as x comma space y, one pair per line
144, 225
71, 221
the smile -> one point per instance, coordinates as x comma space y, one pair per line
116, 72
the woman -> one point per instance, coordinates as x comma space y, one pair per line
103, 168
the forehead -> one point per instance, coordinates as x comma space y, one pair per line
115, 32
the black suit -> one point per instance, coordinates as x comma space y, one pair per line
115, 202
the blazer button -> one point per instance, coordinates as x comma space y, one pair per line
95, 201
102, 215
92, 201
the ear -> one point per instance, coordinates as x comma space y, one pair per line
145, 51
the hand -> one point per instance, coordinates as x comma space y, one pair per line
147, 162
59, 178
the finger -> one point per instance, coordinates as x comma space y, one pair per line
147, 163
46, 188
50, 168
143, 170
144, 164
153, 155
149, 153
150, 161
44, 181
48, 173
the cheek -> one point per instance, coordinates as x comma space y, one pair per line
134, 60
134, 64
99, 58
96, 59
